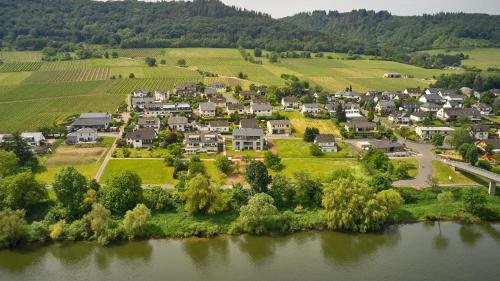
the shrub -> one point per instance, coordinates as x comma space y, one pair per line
474, 199
158, 199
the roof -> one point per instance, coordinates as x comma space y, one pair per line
325, 138
235, 106
409, 104
311, 105
361, 124
210, 91
420, 114
279, 122
248, 132
219, 123
435, 129
92, 119
261, 106
384, 144
203, 137
95, 115
413, 90
433, 97
205, 106
461, 112
87, 130
434, 90
249, 123
142, 134
479, 128
384, 103
177, 120
148, 120
430, 105
290, 99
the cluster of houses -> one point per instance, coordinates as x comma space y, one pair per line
35, 140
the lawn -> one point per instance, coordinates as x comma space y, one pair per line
142, 153
86, 160
412, 172
444, 174
150, 171
482, 58
319, 167
241, 154
300, 123
297, 148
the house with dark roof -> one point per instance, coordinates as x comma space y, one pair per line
290, 102
141, 137
249, 123
399, 118
279, 127
413, 92
453, 114
247, 95
237, 108
479, 131
219, 87
360, 127
83, 135
326, 142
207, 109
432, 98
221, 126
248, 139
187, 90
100, 121
453, 104
409, 106
420, 116
385, 107
484, 109
384, 145
178, 123
261, 109
203, 142
149, 122
311, 108
435, 91
210, 92
429, 107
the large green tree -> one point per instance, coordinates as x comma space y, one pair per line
70, 187
21, 191
202, 197
282, 191
12, 226
259, 216
8, 163
135, 221
257, 176
122, 192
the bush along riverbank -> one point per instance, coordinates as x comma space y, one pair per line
79, 210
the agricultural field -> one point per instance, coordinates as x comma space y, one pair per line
151, 171
300, 123
482, 58
58, 76
13, 78
85, 159
20, 66
21, 56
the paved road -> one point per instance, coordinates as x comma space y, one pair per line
425, 156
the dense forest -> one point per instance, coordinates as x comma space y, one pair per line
33, 25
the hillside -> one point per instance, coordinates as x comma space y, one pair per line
33, 25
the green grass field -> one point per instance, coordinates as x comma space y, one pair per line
444, 174
482, 58
300, 123
150, 171
295, 148
413, 171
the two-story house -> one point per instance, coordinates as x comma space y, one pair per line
248, 139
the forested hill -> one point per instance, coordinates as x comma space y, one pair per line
35, 24
394, 34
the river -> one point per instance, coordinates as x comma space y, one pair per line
445, 251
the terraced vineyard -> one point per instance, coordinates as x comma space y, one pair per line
58, 76
66, 65
20, 66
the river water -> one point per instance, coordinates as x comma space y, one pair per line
445, 251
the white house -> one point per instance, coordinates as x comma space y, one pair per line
261, 109
221, 126
326, 143
207, 109
310, 108
178, 123
140, 93
140, 137
427, 133
162, 95
34, 139
84, 135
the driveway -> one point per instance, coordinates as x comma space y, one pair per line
425, 156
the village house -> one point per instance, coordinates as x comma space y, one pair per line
219, 101
385, 107
261, 109
248, 139
413, 92
83, 135
257, 99
495, 144
432, 98
453, 104
399, 118
426, 133
483, 108
247, 95
290, 102
352, 110
420, 116
249, 123
149, 122
219, 87
311, 108
203, 142
162, 95
479, 132
210, 92
178, 123
331, 108
433, 91
221, 126
453, 114
34, 139
141, 137
165, 109
6, 138
187, 90
384, 145
348, 95
140, 93
139, 103
326, 142
235, 108
409, 106
279, 127
207, 109
360, 127
99, 121
429, 107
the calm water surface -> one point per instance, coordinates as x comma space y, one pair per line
448, 251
